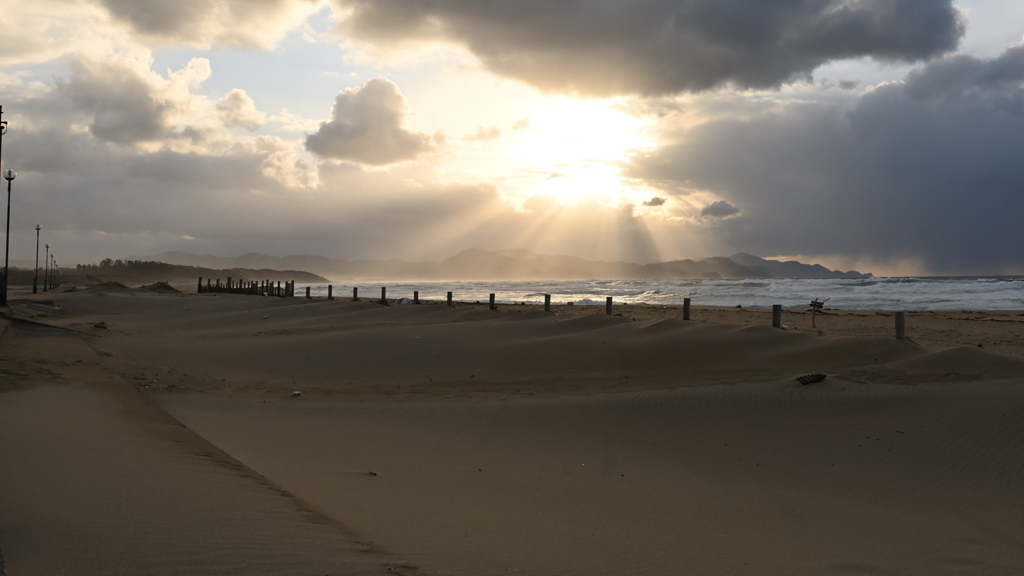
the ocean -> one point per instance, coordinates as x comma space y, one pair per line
926, 293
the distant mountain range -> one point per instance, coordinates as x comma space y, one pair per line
476, 264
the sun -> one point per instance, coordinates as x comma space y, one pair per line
574, 149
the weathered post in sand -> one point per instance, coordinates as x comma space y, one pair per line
229, 283
307, 292
608, 306
493, 307
355, 294
384, 295
200, 289
278, 291
330, 292
449, 298
218, 283
901, 326
776, 315
547, 302
415, 296
686, 308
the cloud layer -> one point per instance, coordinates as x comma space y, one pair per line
662, 46
925, 170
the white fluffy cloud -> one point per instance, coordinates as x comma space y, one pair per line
367, 125
236, 108
129, 104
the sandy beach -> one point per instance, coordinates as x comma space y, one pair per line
165, 433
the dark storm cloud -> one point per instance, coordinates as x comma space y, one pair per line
158, 16
927, 169
656, 201
233, 22
719, 209
366, 126
604, 47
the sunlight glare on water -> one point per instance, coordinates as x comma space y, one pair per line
935, 293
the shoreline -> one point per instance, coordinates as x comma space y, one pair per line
934, 329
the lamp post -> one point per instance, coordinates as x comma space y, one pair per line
46, 275
35, 279
9, 175
53, 271
3, 280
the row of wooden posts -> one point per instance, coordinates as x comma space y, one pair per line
254, 287
267, 288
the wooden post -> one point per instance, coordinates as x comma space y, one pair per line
776, 315
307, 292
415, 296
355, 294
493, 307
218, 283
547, 302
901, 326
330, 292
608, 306
686, 308
449, 298
278, 291
229, 283
384, 295
200, 289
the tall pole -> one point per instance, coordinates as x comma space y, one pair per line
53, 271
9, 175
3, 280
46, 262
35, 279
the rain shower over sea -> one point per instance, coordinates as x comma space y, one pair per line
925, 293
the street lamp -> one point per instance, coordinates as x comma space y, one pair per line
35, 279
3, 279
46, 275
9, 175
53, 271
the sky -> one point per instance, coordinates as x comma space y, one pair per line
879, 135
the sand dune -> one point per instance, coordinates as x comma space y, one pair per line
512, 440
